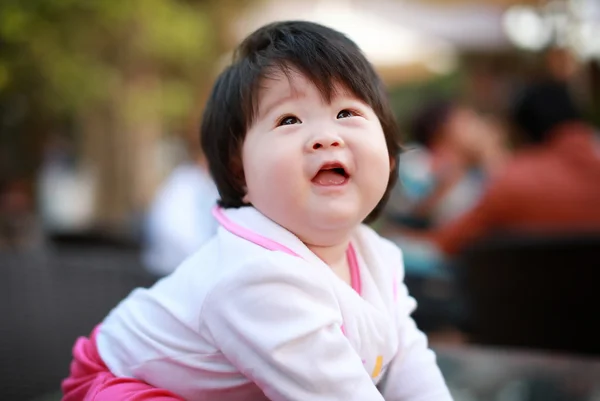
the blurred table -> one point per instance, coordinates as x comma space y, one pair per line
482, 374
487, 374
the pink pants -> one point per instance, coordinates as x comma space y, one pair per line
90, 379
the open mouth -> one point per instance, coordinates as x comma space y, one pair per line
331, 174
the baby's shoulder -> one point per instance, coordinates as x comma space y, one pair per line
228, 264
215, 272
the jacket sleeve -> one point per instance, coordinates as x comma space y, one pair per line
279, 323
413, 373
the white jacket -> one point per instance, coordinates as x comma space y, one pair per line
256, 315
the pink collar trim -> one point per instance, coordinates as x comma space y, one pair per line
355, 280
249, 235
271, 245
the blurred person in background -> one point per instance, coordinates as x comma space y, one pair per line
180, 218
552, 185
19, 227
65, 189
442, 176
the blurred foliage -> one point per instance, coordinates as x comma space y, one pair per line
70, 67
69, 55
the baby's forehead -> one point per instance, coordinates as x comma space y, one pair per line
280, 86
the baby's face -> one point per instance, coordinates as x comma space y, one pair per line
316, 169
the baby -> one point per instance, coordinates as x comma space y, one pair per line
293, 298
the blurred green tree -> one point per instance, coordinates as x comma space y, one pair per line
116, 74
70, 55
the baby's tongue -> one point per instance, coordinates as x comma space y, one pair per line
328, 177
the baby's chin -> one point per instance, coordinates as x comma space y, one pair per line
328, 225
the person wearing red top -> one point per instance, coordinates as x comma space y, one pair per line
551, 186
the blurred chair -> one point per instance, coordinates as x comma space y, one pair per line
534, 292
46, 303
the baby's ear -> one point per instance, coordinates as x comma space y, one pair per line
392, 163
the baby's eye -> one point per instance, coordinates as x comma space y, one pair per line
346, 113
289, 120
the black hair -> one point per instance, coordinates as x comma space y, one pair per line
541, 107
325, 56
429, 119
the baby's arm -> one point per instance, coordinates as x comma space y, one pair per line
413, 374
280, 326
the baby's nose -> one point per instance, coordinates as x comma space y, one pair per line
326, 142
